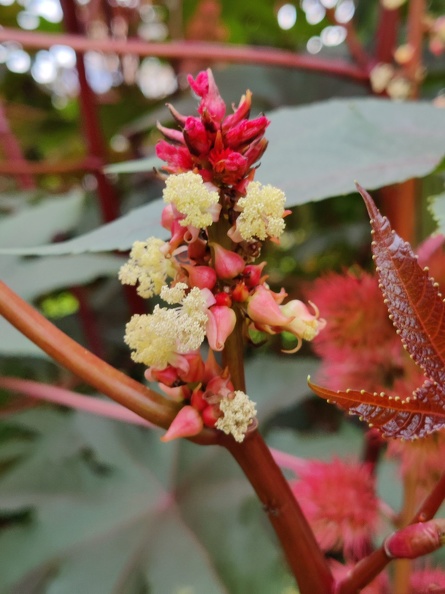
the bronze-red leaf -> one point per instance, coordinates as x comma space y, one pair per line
414, 303
416, 416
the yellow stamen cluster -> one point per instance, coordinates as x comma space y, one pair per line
238, 411
156, 339
262, 212
192, 198
149, 265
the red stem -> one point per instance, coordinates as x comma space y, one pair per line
17, 166
386, 36
106, 379
369, 567
189, 49
13, 151
108, 198
303, 554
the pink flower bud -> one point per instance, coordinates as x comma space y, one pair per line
241, 113
202, 277
264, 310
415, 540
245, 131
167, 376
171, 134
196, 136
212, 369
220, 324
212, 107
303, 324
255, 151
195, 371
228, 264
178, 393
187, 423
178, 158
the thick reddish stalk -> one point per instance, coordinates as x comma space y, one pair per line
386, 36
189, 49
108, 199
415, 31
303, 554
145, 402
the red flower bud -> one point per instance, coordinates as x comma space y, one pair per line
210, 415
197, 249
223, 299
246, 131
177, 157
198, 401
240, 293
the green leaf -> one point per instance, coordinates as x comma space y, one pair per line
314, 152
437, 209
116, 511
333, 143
276, 382
140, 223
35, 277
40, 223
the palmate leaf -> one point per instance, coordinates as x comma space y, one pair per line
417, 310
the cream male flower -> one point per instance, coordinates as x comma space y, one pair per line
149, 265
191, 197
238, 412
160, 338
262, 212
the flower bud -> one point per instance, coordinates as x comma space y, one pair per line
223, 299
240, 293
221, 323
187, 423
264, 310
202, 277
210, 415
303, 324
228, 264
196, 137
252, 274
416, 540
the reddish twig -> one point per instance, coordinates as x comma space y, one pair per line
64, 397
369, 567
415, 31
17, 167
189, 49
106, 379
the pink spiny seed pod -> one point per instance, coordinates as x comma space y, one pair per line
202, 277
228, 264
416, 540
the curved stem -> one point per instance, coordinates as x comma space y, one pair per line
189, 49
123, 389
369, 567
303, 554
